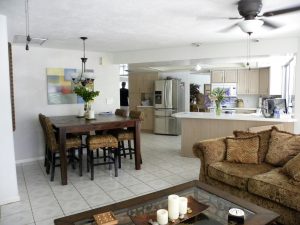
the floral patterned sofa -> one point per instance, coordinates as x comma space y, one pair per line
262, 183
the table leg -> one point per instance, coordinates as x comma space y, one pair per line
137, 145
63, 157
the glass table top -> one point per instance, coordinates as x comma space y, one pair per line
215, 214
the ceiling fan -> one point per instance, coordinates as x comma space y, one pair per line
250, 11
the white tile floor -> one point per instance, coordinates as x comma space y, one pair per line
42, 201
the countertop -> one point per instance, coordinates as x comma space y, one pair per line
236, 108
145, 106
234, 116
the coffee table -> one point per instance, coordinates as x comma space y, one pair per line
219, 203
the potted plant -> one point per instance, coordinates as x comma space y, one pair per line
87, 95
218, 96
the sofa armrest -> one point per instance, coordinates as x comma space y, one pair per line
209, 151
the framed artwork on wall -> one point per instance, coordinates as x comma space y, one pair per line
60, 86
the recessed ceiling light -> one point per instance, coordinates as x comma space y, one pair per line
196, 44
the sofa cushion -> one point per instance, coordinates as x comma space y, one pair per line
283, 147
275, 186
236, 174
292, 170
242, 150
263, 144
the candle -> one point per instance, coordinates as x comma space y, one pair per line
236, 215
173, 207
162, 216
91, 114
183, 205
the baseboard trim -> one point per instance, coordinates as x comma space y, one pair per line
10, 200
29, 160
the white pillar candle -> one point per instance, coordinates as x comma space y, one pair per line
91, 114
183, 202
162, 216
173, 207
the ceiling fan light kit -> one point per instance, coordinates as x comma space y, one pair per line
250, 26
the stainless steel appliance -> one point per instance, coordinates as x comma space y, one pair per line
229, 88
168, 99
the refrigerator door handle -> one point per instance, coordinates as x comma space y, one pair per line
165, 97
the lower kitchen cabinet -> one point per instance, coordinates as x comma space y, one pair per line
147, 123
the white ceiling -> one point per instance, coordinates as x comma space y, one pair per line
121, 25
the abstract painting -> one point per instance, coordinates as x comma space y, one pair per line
60, 86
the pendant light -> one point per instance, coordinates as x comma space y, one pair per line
84, 77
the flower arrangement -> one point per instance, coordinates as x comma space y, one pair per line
86, 94
218, 95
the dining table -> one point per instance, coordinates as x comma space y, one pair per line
71, 124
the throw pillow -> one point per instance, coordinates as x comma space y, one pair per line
242, 150
292, 170
263, 144
283, 147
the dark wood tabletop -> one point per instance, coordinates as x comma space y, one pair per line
73, 124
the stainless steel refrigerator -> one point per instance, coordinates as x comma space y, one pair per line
168, 99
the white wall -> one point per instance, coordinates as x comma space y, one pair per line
297, 90
8, 185
31, 92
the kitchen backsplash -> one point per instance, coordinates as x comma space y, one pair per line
250, 101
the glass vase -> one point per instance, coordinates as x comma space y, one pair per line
218, 108
87, 108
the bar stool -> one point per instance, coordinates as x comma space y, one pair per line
72, 144
106, 142
128, 135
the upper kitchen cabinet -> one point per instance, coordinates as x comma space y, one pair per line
224, 76
253, 80
141, 87
248, 82
264, 81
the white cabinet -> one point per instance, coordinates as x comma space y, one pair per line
224, 76
248, 82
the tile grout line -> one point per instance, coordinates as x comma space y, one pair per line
28, 195
51, 190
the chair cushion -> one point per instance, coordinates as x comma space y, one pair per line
292, 170
242, 150
124, 135
283, 147
275, 186
74, 142
236, 174
102, 141
263, 143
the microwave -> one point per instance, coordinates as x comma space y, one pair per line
230, 88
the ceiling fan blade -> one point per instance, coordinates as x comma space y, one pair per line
224, 30
216, 18
235, 18
281, 11
271, 24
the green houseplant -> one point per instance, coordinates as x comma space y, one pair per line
218, 96
87, 95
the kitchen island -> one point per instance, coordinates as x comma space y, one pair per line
198, 126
